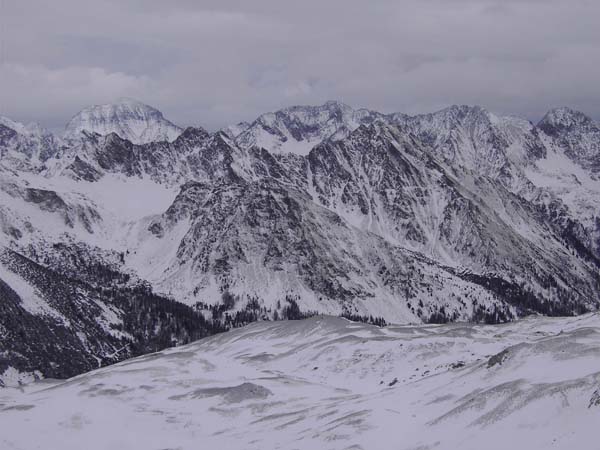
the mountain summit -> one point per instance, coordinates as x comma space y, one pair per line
297, 129
129, 118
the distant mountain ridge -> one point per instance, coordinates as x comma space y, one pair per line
299, 128
458, 215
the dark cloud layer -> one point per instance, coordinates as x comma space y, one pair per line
216, 62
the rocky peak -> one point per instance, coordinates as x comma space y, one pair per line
31, 141
297, 129
472, 138
452, 117
576, 134
564, 119
192, 135
6, 134
234, 131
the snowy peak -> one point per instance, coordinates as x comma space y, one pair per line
564, 118
463, 117
317, 114
6, 133
234, 131
297, 129
472, 138
32, 129
28, 142
575, 134
193, 134
15, 126
461, 113
393, 216
130, 119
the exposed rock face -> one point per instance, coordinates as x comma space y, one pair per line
576, 134
261, 238
595, 399
299, 128
6, 135
74, 313
24, 143
454, 215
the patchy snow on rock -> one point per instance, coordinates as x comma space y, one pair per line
31, 300
14, 378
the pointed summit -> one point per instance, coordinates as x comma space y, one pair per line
576, 134
562, 119
127, 117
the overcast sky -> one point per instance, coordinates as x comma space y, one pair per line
212, 63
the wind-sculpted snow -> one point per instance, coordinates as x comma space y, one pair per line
329, 383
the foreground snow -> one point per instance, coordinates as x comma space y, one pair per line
325, 383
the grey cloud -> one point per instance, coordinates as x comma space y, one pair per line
217, 62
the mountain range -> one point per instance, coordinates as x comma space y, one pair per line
127, 234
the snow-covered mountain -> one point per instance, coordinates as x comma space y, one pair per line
329, 383
458, 215
576, 134
130, 119
299, 128
26, 143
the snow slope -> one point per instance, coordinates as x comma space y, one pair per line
328, 383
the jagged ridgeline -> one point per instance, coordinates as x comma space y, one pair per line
127, 234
